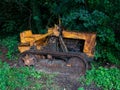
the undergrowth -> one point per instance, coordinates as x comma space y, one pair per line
22, 78
105, 78
11, 43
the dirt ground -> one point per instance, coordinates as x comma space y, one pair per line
66, 78
3, 58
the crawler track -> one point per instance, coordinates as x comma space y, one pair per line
67, 56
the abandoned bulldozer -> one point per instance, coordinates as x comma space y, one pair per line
73, 48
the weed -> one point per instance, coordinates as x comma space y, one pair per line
106, 78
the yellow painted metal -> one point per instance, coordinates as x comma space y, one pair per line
28, 39
39, 40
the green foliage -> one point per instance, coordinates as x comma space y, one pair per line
106, 78
106, 49
80, 88
74, 20
22, 78
99, 19
11, 43
13, 78
9, 26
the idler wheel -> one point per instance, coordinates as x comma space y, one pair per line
77, 65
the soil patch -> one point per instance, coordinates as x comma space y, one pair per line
3, 57
66, 77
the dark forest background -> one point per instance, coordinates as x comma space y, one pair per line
100, 16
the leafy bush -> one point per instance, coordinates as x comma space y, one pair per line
105, 14
106, 78
11, 43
